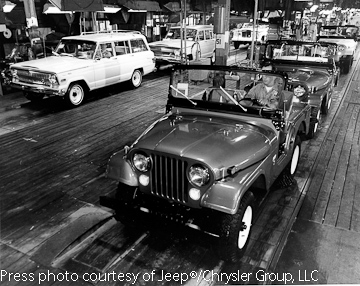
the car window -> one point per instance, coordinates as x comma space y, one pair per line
104, 50
122, 47
138, 45
76, 48
201, 36
208, 35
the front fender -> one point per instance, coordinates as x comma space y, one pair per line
119, 169
225, 196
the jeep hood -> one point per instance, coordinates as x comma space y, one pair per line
312, 76
216, 142
174, 44
54, 64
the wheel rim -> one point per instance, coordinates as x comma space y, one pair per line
76, 94
295, 160
213, 58
136, 78
246, 225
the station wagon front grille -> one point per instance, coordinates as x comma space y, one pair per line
32, 77
168, 178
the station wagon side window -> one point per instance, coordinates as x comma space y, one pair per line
138, 45
208, 35
104, 50
201, 36
122, 47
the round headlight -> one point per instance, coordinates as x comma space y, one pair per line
299, 91
341, 47
199, 175
52, 79
141, 162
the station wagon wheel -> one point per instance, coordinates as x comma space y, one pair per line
294, 162
136, 78
315, 121
75, 94
235, 230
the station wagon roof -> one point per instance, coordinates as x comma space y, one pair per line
104, 37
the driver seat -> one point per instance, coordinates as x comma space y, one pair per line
216, 95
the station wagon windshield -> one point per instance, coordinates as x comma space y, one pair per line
76, 48
174, 34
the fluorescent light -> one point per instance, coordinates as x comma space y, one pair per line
51, 9
110, 9
7, 8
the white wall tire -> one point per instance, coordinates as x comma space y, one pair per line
295, 156
75, 94
235, 230
136, 78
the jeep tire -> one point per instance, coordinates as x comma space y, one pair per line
75, 94
236, 45
347, 64
235, 230
295, 156
315, 121
136, 78
125, 211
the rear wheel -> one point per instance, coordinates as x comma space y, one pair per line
235, 230
75, 94
315, 120
136, 78
236, 45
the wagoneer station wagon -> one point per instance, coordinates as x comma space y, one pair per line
86, 62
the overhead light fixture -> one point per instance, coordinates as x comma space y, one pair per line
111, 9
52, 9
8, 6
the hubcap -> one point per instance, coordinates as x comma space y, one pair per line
76, 94
329, 103
295, 159
136, 78
245, 230
318, 117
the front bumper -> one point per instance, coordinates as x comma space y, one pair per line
39, 89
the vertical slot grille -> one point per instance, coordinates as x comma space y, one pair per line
168, 178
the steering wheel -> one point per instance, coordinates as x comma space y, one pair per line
251, 102
254, 103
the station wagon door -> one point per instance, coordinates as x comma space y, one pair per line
106, 68
125, 59
208, 44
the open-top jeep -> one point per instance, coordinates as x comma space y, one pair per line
212, 158
315, 64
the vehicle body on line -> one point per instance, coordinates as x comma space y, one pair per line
347, 39
214, 151
312, 63
86, 62
244, 35
198, 43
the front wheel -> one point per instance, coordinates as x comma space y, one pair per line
136, 78
235, 230
125, 212
75, 95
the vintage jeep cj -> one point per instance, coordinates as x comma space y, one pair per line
212, 158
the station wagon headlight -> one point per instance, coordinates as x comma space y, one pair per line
141, 162
299, 91
341, 48
53, 79
199, 175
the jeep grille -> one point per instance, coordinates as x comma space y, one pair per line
32, 77
168, 178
